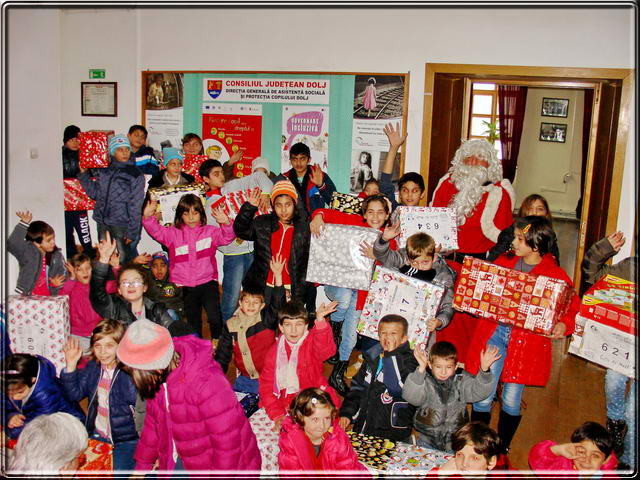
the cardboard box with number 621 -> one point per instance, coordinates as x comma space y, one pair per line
609, 333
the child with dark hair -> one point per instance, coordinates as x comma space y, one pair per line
42, 270
31, 389
161, 289
371, 187
442, 392
311, 437
142, 154
295, 361
172, 174
364, 173
374, 404
192, 248
192, 144
518, 347
477, 448
590, 452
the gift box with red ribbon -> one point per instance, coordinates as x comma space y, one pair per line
75, 198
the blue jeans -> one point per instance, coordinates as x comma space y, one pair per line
246, 385
621, 407
234, 268
346, 313
118, 234
511, 392
122, 453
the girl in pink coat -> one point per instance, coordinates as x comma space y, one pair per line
193, 419
311, 438
192, 254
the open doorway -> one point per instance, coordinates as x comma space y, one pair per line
446, 113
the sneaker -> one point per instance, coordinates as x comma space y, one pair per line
353, 368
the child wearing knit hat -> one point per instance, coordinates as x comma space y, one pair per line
161, 289
193, 419
173, 161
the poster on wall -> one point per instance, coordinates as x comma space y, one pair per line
164, 110
308, 125
266, 90
228, 127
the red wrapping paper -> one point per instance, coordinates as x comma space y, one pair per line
192, 165
98, 455
610, 302
232, 201
93, 149
75, 198
532, 302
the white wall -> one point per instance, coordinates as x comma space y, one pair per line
126, 41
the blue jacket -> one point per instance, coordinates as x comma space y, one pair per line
146, 160
83, 383
46, 397
119, 193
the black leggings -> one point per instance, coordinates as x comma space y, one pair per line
205, 295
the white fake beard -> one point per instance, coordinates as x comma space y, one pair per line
468, 180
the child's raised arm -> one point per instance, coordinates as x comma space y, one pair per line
16, 243
396, 139
100, 300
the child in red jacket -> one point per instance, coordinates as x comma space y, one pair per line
312, 439
526, 356
590, 451
295, 361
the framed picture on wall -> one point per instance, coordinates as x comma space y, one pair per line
555, 107
553, 132
99, 99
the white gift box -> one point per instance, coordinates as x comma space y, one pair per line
438, 222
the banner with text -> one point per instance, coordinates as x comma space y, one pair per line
266, 90
309, 125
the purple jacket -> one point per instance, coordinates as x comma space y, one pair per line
204, 418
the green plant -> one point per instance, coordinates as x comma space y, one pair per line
492, 130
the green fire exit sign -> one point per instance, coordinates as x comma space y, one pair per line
97, 73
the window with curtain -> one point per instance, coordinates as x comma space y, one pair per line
484, 108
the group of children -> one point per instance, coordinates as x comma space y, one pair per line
159, 393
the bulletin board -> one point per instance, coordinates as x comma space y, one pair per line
340, 116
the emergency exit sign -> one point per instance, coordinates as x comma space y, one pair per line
97, 73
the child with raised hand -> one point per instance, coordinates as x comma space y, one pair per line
111, 392
193, 419
250, 333
192, 248
172, 174
129, 303
419, 259
519, 347
311, 437
590, 452
534, 204
31, 389
441, 392
41, 263
295, 361
374, 404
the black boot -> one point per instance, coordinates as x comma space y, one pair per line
481, 417
618, 430
336, 328
507, 426
336, 380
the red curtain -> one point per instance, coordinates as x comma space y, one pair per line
512, 101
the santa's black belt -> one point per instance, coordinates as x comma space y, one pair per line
459, 256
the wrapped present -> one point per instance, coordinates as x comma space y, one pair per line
346, 203
411, 459
267, 439
231, 203
439, 223
392, 292
98, 456
93, 148
39, 325
335, 257
374, 452
532, 302
168, 198
192, 165
75, 198
608, 325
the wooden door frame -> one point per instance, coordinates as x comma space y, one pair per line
550, 77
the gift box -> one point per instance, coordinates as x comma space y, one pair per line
169, 196
439, 223
98, 456
75, 198
93, 148
374, 452
335, 257
267, 439
346, 203
392, 292
39, 325
411, 459
192, 165
231, 203
606, 325
532, 302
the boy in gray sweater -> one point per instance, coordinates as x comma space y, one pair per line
441, 392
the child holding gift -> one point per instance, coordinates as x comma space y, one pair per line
311, 437
295, 361
533, 239
374, 404
119, 192
442, 392
172, 174
31, 389
111, 392
41, 262
589, 453
192, 249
